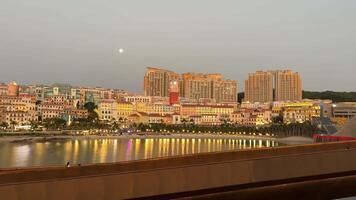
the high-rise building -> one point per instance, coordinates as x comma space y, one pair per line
268, 86
259, 87
196, 86
191, 86
288, 86
200, 87
156, 81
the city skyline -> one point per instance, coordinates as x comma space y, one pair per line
241, 83
80, 42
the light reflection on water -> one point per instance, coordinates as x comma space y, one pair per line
86, 151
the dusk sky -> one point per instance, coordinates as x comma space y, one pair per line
78, 41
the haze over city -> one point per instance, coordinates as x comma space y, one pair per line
78, 42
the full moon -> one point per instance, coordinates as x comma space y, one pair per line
121, 50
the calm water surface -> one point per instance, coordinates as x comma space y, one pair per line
85, 151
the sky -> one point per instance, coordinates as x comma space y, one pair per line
78, 41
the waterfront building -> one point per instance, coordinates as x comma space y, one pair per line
19, 110
137, 99
3, 89
107, 110
255, 105
293, 112
153, 118
156, 81
123, 110
204, 109
154, 108
251, 117
113, 110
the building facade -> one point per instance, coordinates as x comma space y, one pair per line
208, 88
288, 86
259, 87
156, 81
268, 86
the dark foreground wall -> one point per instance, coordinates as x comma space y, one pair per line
178, 174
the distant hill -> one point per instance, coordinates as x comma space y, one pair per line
334, 96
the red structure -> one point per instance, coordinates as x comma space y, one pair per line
348, 132
331, 138
173, 93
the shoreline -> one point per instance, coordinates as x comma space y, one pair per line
49, 138
14, 138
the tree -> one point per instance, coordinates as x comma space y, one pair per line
34, 125
90, 106
184, 121
4, 125
92, 115
78, 105
334, 96
277, 119
13, 124
55, 123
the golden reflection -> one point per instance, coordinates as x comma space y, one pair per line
193, 145
199, 143
147, 148
114, 152
22, 155
187, 147
68, 151
160, 147
183, 146
95, 150
104, 151
137, 148
40, 148
172, 146
76, 149
120, 149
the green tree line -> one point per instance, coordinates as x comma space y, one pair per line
279, 130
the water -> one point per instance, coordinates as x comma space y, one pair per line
85, 151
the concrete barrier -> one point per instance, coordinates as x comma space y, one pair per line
149, 178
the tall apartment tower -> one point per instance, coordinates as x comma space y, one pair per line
157, 81
268, 86
198, 87
259, 87
288, 86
